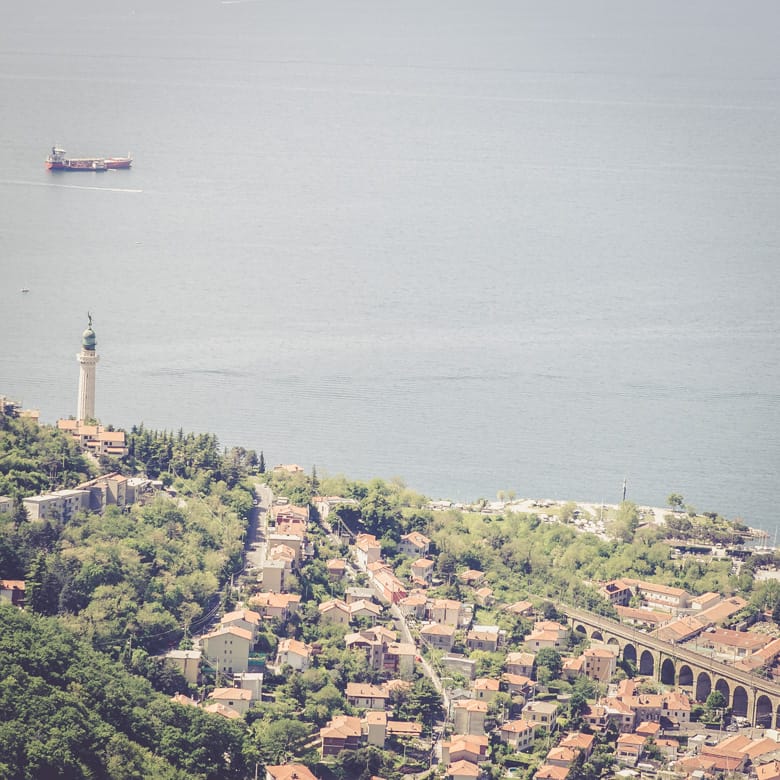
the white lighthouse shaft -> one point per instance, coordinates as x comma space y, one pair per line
87, 359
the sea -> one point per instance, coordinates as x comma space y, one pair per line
527, 246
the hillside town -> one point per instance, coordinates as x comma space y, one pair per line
502, 715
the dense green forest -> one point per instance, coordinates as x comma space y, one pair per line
69, 711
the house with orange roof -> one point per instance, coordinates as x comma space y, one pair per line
768, 771
642, 617
471, 577
334, 611
392, 589
448, 611
551, 772
488, 638
342, 732
247, 619
734, 644
12, 592
364, 609
485, 688
367, 697
676, 707
469, 716
336, 568
438, 635
705, 600
413, 605
629, 748
484, 597
518, 734
291, 652
275, 605
215, 708
520, 663
421, 571
616, 592
277, 569
661, 596
522, 608
293, 541
561, 756
547, 634
289, 772
599, 663
463, 770
236, 699
465, 747
517, 684
367, 549
227, 649
582, 743
185, 701
414, 543
680, 630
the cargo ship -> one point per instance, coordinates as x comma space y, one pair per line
58, 161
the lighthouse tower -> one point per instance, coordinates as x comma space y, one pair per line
88, 359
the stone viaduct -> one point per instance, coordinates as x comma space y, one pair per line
747, 694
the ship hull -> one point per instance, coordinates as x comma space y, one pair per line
77, 165
118, 162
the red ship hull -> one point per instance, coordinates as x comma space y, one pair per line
118, 162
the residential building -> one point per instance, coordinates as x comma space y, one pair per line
472, 577
438, 635
465, 747
336, 568
629, 749
541, 713
12, 592
334, 611
243, 618
275, 605
375, 727
95, 438
289, 772
522, 608
488, 638
367, 550
599, 663
422, 571
520, 663
463, 770
485, 689
187, 662
469, 716
414, 543
236, 699
617, 592
661, 596
447, 611
342, 732
484, 597
227, 649
367, 697
6, 505
59, 505
250, 681
364, 609
518, 734
291, 652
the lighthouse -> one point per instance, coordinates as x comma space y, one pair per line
88, 359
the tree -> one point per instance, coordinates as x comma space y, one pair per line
716, 701
261, 466
675, 501
549, 659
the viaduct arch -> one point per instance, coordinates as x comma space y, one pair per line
747, 695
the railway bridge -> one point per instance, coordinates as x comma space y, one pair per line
747, 694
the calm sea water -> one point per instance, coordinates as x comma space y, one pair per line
513, 245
